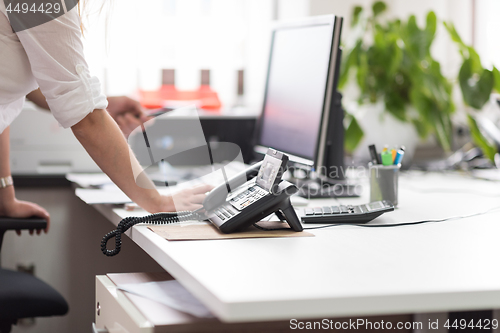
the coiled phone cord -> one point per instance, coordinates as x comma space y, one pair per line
128, 222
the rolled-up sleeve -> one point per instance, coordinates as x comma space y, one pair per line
55, 52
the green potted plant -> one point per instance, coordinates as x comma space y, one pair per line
476, 84
391, 64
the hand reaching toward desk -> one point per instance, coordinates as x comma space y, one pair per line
186, 200
127, 113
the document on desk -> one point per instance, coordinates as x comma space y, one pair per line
170, 293
89, 179
205, 231
111, 195
99, 196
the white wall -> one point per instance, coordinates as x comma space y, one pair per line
487, 33
144, 37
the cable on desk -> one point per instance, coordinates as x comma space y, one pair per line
405, 223
128, 222
453, 191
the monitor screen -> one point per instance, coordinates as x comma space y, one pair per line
296, 87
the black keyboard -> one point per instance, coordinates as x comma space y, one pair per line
346, 214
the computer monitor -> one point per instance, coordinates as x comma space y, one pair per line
302, 114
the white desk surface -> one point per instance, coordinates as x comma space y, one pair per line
351, 270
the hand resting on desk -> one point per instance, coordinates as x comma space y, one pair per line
189, 199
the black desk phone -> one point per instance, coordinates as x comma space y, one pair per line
237, 203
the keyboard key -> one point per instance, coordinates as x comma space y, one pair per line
309, 211
318, 211
375, 205
344, 209
335, 210
360, 209
327, 210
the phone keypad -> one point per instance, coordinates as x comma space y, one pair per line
248, 197
224, 213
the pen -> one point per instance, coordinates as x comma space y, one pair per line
373, 153
399, 155
159, 112
386, 157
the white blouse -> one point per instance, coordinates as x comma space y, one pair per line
49, 56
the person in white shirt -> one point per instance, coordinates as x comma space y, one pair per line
50, 57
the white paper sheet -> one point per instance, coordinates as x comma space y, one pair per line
99, 196
170, 293
89, 179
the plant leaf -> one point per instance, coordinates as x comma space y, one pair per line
476, 87
423, 129
363, 71
496, 75
349, 61
435, 115
417, 41
480, 140
378, 8
353, 135
454, 34
356, 12
431, 24
396, 105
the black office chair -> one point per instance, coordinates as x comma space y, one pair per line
23, 295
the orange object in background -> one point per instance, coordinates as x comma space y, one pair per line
169, 96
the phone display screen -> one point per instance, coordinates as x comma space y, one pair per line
271, 171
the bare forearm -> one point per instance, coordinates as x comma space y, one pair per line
38, 98
4, 153
7, 194
104, 142
9, 205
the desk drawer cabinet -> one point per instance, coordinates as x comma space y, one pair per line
115, 312
118, 312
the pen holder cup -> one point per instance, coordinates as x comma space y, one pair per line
384, 183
